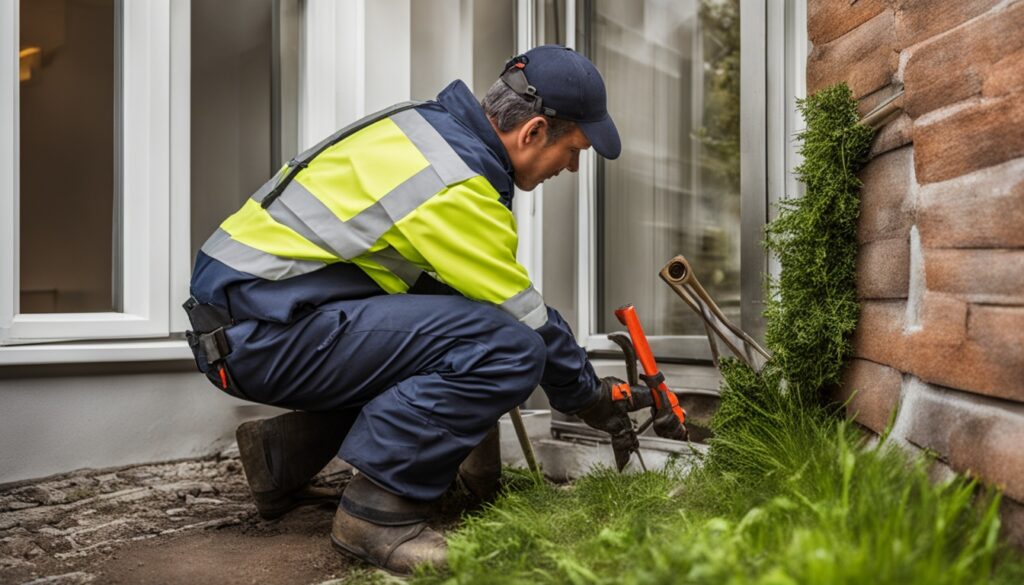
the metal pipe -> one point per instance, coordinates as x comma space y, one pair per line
881, 114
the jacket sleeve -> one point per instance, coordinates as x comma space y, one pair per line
569, 379
469, 239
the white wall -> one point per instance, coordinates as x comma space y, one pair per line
57, 424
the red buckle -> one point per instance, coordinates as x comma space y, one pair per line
223, 377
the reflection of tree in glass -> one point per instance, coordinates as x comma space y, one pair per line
719, 143
720, 135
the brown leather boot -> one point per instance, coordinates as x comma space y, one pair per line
281, 454
480, 472
386, 530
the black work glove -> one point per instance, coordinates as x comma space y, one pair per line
610, 416
604, 414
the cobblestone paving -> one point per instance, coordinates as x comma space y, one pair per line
89, 526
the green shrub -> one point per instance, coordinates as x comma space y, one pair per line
811, 309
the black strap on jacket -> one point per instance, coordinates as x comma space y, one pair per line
302, 161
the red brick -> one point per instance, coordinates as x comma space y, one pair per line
998, 332
879, 335
953, 67
886, 199
975, 136
942, 322
984, 209
897, 133
865, 58
976, 348
917, 20
828, 20
872, 391
973, 348
883, 269
1005, 76
976, 435
978, 275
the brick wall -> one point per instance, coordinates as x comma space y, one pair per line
941, 266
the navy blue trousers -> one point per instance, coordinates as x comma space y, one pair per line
432, 374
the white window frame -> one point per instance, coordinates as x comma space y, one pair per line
773, 59
354, 60
155, 202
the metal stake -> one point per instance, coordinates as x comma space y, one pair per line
524, 440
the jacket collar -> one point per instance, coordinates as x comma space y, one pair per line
461, 103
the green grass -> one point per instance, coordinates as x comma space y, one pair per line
807, 502
789, 492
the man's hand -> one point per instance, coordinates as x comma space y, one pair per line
605, 414
610, 416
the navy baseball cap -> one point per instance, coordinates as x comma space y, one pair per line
563, 84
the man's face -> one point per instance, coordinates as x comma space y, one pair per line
537, 160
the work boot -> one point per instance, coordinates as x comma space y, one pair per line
480, 471
281, 454
386, 530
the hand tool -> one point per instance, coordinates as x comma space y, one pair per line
667, 416
681, 279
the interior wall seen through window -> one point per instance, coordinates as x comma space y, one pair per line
67, 155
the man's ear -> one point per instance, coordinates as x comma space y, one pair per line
533, 131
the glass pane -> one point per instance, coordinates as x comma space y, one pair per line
232, 44
67, 155
559, 195
550, 27
443, 49
672, 70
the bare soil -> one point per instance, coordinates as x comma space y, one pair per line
172, 523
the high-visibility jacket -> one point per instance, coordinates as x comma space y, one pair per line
423, 193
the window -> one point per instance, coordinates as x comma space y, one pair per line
691, 84
86, 236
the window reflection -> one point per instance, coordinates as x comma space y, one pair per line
672, 71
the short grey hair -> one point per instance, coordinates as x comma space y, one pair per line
508, 109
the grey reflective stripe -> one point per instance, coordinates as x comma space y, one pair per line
528, 307
247, 259
448, 164
285, 215
307, 215
390, 258
354, 237
354, 127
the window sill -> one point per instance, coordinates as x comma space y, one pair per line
96, 352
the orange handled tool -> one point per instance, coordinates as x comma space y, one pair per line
669, 418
